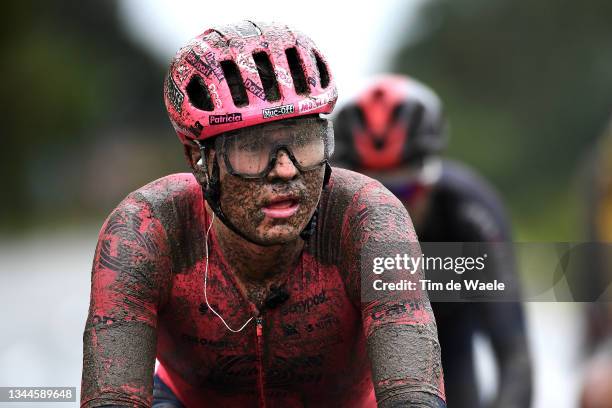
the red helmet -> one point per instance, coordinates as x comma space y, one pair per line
394, 121
242, 75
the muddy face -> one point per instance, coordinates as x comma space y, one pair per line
275, 209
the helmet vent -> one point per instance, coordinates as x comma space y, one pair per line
267, 76
235, 84
379, 144
297, 72
323, 72
198, 94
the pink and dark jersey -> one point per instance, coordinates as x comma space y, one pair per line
325, 346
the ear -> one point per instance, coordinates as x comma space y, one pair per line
192, 155
198, 168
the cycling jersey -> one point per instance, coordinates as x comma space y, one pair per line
324, 346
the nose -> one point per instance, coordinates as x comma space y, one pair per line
283, 168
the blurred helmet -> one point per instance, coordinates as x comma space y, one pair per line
395, 121
245, 74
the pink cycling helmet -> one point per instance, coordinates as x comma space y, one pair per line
242, 75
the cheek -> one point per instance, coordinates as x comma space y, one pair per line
313, 183
240, 198
241, 202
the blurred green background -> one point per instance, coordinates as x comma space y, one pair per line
526, 87
83, 120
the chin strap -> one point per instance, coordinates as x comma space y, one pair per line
212, 194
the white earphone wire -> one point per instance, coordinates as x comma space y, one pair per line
206, 283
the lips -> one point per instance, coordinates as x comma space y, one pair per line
281, 207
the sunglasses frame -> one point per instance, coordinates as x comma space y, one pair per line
221, 153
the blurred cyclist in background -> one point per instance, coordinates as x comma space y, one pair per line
394, 131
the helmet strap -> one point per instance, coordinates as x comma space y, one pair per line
328, 171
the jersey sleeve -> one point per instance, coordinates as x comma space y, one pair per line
399, 325
130, 275
502, 322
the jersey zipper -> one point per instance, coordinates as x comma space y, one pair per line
260, 373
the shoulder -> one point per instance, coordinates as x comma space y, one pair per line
168, 188
168, 198
355, 188
473, 199
354, 203
157, 205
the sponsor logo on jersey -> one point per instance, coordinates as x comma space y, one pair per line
304, 306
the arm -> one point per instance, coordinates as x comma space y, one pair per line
399, 326
504, 324
130, 270
501, 321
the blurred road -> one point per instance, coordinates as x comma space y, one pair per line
44, 296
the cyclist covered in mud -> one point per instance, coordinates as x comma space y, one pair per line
244, 278
394, 131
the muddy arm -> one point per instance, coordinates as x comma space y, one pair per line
399, 325
130, 269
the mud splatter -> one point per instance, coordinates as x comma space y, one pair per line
129, 278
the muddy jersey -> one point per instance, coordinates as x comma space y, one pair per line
324, 346
464, 208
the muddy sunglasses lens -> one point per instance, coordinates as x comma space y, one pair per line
251, 153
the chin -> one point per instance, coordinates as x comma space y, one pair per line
276, 235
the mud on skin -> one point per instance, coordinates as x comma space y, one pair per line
242, 200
